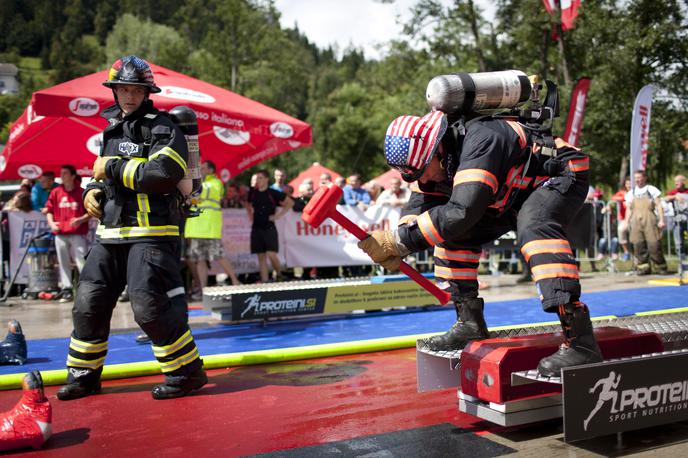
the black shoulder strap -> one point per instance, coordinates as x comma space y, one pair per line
146, 127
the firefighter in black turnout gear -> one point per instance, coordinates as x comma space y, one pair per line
134, 195
476, 181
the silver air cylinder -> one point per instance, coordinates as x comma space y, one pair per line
185, 118
478, 92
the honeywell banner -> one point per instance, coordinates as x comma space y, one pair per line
330, 244
640, 128
574, 123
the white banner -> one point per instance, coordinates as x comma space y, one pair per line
236, 240
300, 244
640, 129
23, 226
330, 244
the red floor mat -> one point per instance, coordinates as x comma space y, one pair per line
252, 409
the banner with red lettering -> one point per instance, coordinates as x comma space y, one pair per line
640, 128
330, 244
574, 122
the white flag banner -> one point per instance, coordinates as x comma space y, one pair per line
640, 129
330, 244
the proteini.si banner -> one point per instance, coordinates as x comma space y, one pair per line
640, 129
574, 122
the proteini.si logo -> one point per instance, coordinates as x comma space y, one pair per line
83, 106
644, 401
258, 307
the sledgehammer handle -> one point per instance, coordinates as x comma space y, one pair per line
360, 234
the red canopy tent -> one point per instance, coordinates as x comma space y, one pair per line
313, 172
385, 179
234, 132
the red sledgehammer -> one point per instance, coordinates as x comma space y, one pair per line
323, 205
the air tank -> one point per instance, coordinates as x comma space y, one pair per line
185, 118
478, 92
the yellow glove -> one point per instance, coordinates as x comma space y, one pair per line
383, 248
91, 203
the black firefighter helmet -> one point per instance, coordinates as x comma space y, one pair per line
131, 70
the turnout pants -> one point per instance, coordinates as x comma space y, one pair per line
645, 236
540, 224
152, 272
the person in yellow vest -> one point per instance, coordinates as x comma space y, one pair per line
204, 232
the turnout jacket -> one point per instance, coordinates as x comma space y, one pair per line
148, 159
497, 165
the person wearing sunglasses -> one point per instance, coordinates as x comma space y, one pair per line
472, 183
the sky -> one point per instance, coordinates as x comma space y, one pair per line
363, 23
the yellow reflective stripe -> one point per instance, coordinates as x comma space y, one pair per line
85, 347
456, 255
545, 246
544, 271
144, 209
93, 364
172, 154
169, 366
477, 175
449, 273
167, 350
129, 172
430, 233
123, 232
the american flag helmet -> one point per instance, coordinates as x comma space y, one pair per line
411, 142
131, 70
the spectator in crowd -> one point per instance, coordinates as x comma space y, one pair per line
19, 202
204, 232
41, 190
374, 190
232, 197
262, 212
678, 198
325, 179
305, 193
646, 228
340, 182
396, 196
354, 194
622, 219
67, 219
280, 183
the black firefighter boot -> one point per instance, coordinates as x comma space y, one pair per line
470, 325
81, 382
190, 377
580, 346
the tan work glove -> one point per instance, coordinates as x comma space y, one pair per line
384, 249
92, 203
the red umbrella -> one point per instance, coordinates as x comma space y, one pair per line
39, 143
313, 172
234, 132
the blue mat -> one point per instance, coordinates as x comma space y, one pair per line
51, 353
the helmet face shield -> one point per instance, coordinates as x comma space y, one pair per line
411, 142
131, 70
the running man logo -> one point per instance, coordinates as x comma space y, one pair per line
260, 308
608, 392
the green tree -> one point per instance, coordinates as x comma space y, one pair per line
156, 43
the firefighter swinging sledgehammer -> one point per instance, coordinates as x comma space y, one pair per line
477, 179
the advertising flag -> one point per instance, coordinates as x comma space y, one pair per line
640, 128
574, 122
569, 13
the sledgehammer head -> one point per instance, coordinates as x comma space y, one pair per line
322, 204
